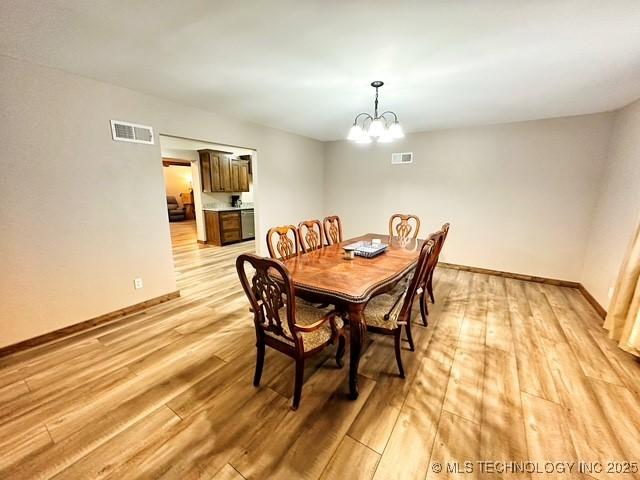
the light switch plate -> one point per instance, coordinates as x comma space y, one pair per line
137, 283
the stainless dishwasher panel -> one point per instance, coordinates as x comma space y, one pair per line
248, 229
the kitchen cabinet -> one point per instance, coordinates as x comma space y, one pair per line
223, 227
221, 172
240, 175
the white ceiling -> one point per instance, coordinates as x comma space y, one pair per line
305, 66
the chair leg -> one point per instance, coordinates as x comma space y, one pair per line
259, 363
340, 349
297, 389
424, 310
430, 288
410, 336
396, 338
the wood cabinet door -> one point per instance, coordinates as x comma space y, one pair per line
205, 171
235, 180
212, 227
216, 184
225, 173
243, 176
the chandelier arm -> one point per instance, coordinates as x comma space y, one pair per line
392, 113
355, 121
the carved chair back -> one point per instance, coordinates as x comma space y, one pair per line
267, 296
427, 254
438, 240
445, 232
404, 226
311, 235
332, 229
283, 242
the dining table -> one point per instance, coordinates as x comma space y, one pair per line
327, 275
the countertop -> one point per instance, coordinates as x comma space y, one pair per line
226, 209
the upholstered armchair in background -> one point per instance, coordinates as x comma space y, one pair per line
176, 212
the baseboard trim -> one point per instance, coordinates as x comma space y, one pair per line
516, 276
530, 278
86, 325
592, 301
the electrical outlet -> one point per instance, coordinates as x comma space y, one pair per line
611, 292
137, 283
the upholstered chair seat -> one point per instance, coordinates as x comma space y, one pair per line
383, 310
308, 314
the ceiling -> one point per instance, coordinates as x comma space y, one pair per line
305, 66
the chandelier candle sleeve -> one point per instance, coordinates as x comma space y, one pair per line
384, 127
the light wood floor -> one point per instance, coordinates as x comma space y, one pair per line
506, 370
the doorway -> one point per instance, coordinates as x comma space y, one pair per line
187, 165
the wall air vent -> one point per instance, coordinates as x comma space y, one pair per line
131, 132
401, 158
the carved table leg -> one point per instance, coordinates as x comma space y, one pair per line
357, 334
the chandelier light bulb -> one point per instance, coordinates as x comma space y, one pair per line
395, 130
355, 133
376, 128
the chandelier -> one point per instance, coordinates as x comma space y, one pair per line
384, 128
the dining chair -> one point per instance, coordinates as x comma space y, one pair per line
400, 225
332, 229
422, 291
284, 246
294, 328
429, 283
311, 235
387, 313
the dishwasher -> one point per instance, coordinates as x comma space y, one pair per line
248, 231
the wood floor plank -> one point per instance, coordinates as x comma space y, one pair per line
621, 408
626, 366
321, 435
21, 445
591, 358
13, 391
407, 452
321, 393
457, 442
227, 473
376, 419
502, 426
498, 329
104, 459
534, 374
548, 435
106, 426
446, 331
32, 414
352, 460
591, 433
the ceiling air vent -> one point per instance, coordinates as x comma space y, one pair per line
131, 132
401, 158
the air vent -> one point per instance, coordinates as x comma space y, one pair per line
401, 158
131, 132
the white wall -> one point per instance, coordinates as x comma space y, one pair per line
83, 215
519, 196
618, 206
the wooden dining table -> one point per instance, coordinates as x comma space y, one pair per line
326, 276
